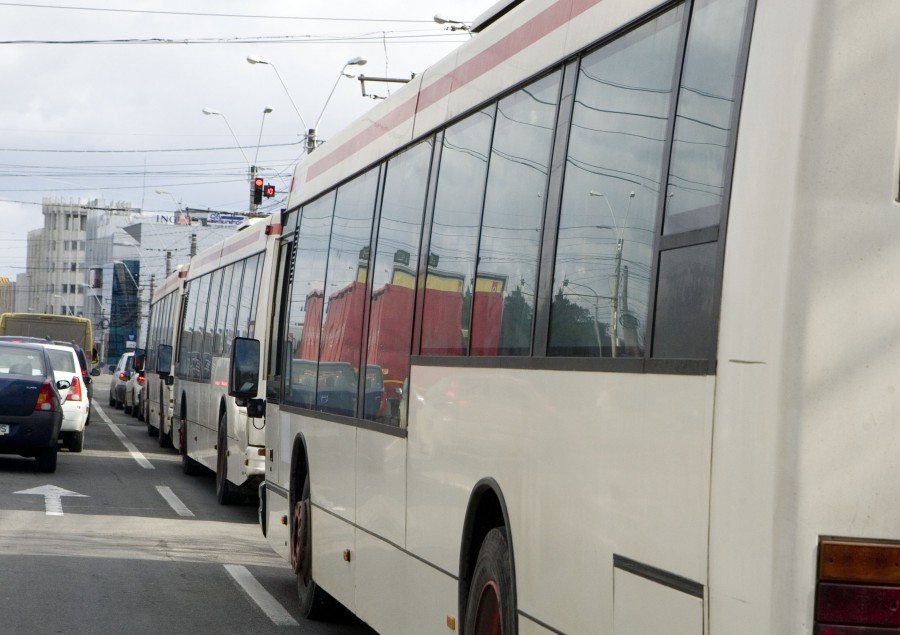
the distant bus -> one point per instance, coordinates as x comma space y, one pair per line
162, 330
55, 327
639, 261
226, 294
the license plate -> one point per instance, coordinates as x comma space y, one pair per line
4, 429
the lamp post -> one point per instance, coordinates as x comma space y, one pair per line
311, 133
172, 196
103, 323
250, 167
567, 284
266, 111
452, 25
64, 303
620, 236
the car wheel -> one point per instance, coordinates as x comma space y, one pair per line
490, 606
76, 441
139, 409
112, 401
226, 493
46, 459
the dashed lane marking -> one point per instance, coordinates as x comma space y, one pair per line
131, 447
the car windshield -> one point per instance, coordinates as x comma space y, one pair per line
63, 361
17, 361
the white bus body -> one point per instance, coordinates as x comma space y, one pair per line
721, 459
163, 330
226, 295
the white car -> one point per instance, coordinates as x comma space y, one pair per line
120, 376
76, 405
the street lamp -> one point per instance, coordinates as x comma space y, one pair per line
64, 303
211, 111
620, 235
266, 111
172, 196
103, 323
568, 284
311, 132
452, 25
251, 167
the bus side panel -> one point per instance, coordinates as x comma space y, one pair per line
332, 538
332, 469
674, 612
591, 466
381, 485
400, 594
806, 441
278, 523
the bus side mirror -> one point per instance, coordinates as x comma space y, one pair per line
140, 356
164, 360
243, 381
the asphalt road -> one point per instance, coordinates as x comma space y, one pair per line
120, 540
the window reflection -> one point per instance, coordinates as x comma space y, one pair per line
454, 235
340, 344
706, 103
394, 283
611, 192
503, 302
307, 302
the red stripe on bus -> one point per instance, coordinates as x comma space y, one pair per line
537, 27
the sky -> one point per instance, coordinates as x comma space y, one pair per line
104, 99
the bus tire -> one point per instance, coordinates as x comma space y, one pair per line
226, 493
164, 438
315, 603
490, 606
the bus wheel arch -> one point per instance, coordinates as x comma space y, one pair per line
188, 465
315, 603
486, 558
226, 493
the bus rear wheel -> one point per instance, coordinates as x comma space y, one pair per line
226, 493
490, 607
315, 604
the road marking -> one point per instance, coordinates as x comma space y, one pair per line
173, 501
52, 497
264, 600
131, 447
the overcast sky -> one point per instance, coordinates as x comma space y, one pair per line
93, 107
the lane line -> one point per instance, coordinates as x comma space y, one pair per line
173, 501
263, 599
131, 447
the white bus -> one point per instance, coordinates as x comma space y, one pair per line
162, 332
622, 278
226, 295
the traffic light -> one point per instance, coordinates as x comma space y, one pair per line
269, 190
257, 190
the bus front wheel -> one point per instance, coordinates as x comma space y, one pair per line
490, 606
314, 602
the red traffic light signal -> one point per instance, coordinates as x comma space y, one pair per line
269, 190
257, 190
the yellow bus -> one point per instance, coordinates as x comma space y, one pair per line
55, 327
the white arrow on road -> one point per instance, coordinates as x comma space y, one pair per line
52, 497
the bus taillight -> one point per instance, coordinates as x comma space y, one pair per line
858, 586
